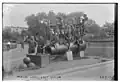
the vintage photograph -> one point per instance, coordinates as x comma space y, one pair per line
58, 41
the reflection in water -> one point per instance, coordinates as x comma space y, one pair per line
100, 44
103, 49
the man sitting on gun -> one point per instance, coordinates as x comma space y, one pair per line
54, 39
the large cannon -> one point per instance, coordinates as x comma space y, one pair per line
62, 49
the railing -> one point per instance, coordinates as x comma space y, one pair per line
100, 40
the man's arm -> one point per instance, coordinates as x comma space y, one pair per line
25, 40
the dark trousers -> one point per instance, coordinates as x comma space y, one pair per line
8, 47
22, 45
40, 49
31, 50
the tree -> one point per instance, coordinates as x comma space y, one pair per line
109, 28
102, 34
75, 14
71, 17
62, 15
92, 27
6, 33
52, 17
34, 24
107, 24
37, 27
89, 22
15, 35
32, 21
41, 16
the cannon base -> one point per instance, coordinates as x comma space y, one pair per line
69, 55
40, 60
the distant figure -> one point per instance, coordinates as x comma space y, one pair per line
22, 44
3, 71
8, 45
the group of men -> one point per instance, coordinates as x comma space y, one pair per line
35, 41
40, 42
61, 37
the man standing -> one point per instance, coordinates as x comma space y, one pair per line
40, 42
22, 44
8, 45
31, 44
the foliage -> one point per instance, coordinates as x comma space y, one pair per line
8, 35
109, 28
103, 34
91, 27
41, 16
52, 17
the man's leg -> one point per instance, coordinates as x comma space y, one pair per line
8, 47
40, 49
32, 51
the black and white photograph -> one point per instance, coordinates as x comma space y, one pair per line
59, 41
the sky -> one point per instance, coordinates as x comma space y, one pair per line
14, 14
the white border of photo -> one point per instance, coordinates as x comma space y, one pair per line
55, 1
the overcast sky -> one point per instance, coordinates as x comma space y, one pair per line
14, 14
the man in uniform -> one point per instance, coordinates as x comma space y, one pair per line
31, 44
40, 42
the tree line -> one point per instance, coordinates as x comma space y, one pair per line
34, 23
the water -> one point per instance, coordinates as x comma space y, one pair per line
103, 49
101, 44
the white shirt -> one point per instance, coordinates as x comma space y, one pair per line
9, 43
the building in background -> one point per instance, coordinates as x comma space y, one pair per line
16, 29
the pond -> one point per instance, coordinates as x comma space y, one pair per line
103, 49
100, 44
